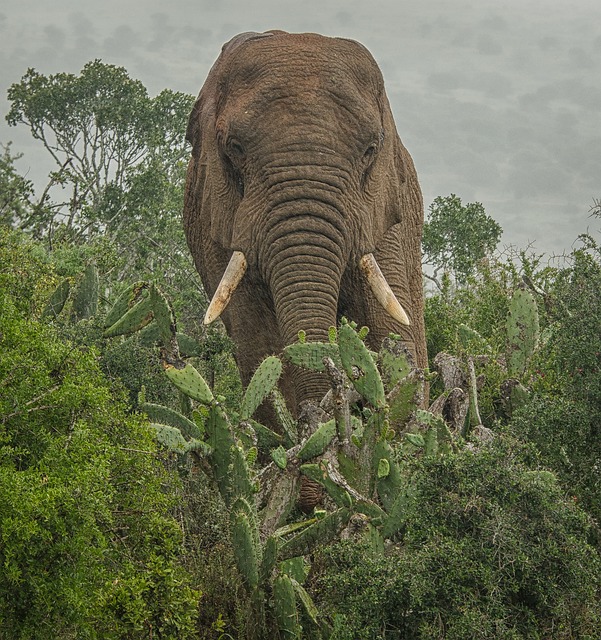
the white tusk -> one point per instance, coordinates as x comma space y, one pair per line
382, 289
230, 280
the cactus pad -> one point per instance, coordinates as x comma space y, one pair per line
310, 355
164, 415
279, 457
187, 379
522, 331
318, 441
136, 318
360, 367
395, 362
125, 302
284, 608
57, 300
245, 549
163, 315
260, 386
85, 301
321, 532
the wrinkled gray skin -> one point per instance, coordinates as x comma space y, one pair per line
297, 163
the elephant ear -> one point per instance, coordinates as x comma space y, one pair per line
399, 198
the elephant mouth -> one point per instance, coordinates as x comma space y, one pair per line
236, 269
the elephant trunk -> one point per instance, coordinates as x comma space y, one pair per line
302, 262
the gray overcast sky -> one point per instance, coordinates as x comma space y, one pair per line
498, 101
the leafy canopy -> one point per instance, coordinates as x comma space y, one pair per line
119, 157
457, 237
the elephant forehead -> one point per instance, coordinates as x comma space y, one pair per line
291, 65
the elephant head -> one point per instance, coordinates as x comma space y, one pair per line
300, 191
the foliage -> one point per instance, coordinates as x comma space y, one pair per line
88, 547
15, 191
457, 237
482, 303
558, 385
349, 456
114, 200
564, 420
490, 549
120, 158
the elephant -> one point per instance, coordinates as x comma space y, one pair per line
301, 203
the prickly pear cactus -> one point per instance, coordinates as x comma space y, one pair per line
360, 367
164, 415
285, 611
246, 550
395, 361
522, 331
138, 314
187, 379
162, 315
85, 301
260, 386
310, 355
348, 452
57, 300
318, 441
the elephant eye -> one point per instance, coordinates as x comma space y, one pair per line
235, 149
370, 152
372, 149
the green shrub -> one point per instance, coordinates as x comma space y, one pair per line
88, 547
491, 549
564, 417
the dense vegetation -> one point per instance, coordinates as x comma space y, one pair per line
105, 533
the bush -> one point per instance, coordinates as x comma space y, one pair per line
88, 547
491, 549
564, 418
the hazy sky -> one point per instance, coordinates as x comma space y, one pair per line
498, 101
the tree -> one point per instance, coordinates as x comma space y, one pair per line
120, 160
117, 188
15, 191
457, 237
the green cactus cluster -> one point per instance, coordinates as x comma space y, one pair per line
258, 470
84, 294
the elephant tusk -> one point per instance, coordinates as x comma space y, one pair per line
381, 288
236, 268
